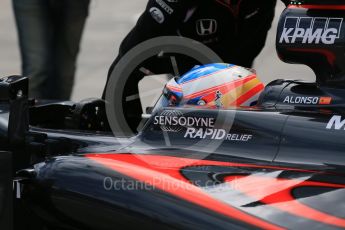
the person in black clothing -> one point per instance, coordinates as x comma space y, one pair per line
236, 30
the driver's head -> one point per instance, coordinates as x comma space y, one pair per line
214, 86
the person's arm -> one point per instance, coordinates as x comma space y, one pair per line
160, 18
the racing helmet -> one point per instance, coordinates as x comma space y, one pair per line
218, 86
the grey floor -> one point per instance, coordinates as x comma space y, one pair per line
108, 23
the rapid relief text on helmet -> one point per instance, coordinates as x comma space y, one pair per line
311, 30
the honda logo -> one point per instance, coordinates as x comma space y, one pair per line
206, 27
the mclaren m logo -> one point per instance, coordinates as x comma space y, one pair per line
336, 122
206, 27
311, 30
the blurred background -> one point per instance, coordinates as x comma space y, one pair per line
108, 23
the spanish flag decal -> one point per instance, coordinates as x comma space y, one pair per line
325, 100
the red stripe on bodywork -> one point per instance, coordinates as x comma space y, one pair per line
163, 172
326, 53
318, 7
277, 192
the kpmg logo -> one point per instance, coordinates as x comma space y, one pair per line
311, 30
206, 27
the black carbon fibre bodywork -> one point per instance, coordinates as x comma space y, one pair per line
279, 165
103, 182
